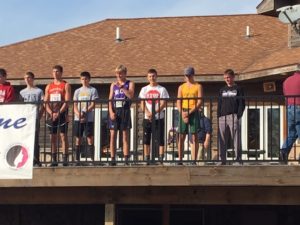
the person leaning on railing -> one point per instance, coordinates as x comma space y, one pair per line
188, 110
291, 89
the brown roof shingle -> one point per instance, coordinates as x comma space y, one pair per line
209, 43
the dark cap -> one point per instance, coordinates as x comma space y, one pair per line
189, 71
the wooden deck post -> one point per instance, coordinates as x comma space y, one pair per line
166, 215
110, 214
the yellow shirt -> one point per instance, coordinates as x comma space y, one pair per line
189, 91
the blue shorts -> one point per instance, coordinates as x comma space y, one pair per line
122, 121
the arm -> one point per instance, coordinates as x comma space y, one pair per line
241, 102
10, 94
75, 105
162, 105
112, 115
65, 105
92, 102
219, 105
184, 115
199, 100
207, 140
145, 110
46, 100
179, 99
41, 105
130, 92
143, 104
208, 131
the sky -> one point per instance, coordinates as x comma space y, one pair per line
22, 20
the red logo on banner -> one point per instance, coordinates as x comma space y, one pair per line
17, 156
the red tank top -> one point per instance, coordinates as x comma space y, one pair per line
56, 94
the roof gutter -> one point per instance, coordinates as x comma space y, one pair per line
285, 70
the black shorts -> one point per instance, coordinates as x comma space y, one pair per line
158, 135
87, 128
60, 124
122, 121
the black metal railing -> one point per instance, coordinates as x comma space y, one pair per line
263, 129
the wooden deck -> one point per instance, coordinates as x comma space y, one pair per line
156, 185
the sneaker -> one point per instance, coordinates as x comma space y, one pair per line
112, 162
283, 157
54, 164
126, 161
37, 163
65, 163
160, 160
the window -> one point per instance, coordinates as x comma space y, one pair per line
172, 123
262, 129
102, 132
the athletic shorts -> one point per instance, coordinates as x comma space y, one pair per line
87, 128
122, 121
158, 134
190, 127
60, 124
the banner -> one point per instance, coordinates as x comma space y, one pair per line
17, 132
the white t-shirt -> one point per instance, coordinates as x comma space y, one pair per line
149, 92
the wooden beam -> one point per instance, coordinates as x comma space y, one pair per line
160, 176
268, 72
210, 195
110, 217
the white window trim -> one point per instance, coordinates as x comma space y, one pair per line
168, 126
263, 113
97, 131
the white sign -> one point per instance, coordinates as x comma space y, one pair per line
17, 132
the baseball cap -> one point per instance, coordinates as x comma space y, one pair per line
189, 71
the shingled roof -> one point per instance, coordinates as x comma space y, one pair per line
209, 43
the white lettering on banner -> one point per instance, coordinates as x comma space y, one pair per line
17, 133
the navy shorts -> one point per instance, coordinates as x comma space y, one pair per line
87, 128
122, 121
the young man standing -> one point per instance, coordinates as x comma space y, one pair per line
35, 95
84, 114
153, 91
188, 103
121, 91
57, 95
7, 93
231, 106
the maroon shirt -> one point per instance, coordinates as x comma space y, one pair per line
291, 86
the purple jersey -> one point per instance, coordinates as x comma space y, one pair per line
119, 94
